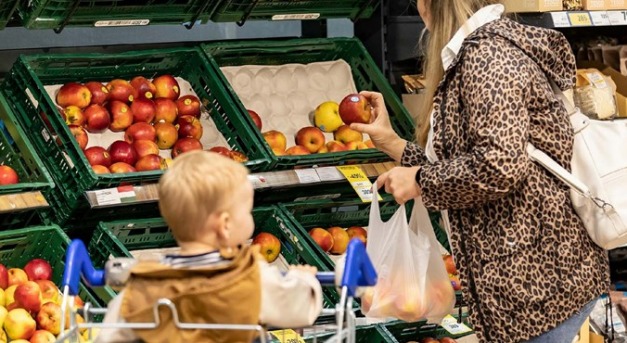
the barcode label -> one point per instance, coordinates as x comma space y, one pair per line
304, 16
109, 23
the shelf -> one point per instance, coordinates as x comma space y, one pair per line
566, 19
22, 201
125, 195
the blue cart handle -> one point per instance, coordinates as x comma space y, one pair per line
77, 263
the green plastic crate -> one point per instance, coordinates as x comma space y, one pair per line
65, 161
19, 246
17, 151
363, 334
118, 238
401, 332
366, 75
56, 14
242, 10
7, 8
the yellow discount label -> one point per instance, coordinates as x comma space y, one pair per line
580, 19
359, 181
287, 336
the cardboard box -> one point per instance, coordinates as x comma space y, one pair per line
619, 79
594, 5
616, 4
533, 5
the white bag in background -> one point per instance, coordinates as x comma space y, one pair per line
412, 282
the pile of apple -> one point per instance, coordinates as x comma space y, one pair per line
328, 117
8, 176
30, 304
334, 240
150, 113
453, 274
269, 245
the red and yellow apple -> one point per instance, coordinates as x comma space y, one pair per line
97, 155
340, 240
49, 318
354, 145
144, 147
278, 152
121, 90
121, 116
189, 126
269, 246
139, 131
8, 176
38, 269
166, 110
74, 116
28, 296
150, 162
167, 134
323, 150
4, 272
73, 94
121, 168
256, 118
323, 238
49, 291
99, 93
122, 151
9, 296
99, 169
42, 336
311, 138
358, 232
19, 324
345, 134
297, 150
188, 105
144, 110
370, 144
224, 151
145, 89
98, 118
447, 340
238, 156
355, 108
81, 136
449, 263
17, 276
276, 140
184, 145
167, 87
327, 116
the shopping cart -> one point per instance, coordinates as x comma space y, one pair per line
358, 272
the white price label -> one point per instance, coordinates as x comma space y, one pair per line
329, 174
450, 324
617, 17
304, 16
307, 175
560, 19
110, 23
600, 18
108, 197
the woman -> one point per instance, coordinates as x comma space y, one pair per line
529, 270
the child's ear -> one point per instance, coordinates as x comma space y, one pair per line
222, 227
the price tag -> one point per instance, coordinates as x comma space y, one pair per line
110, 23
287, 336
617, 17
108, 197
307, 175
560, 19
580, 19
450, 324
360, 182
329, 174
304, 16
600, 18
127, 194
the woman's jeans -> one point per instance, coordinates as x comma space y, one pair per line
566, 332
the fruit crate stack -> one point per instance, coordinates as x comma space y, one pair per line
21, 170
7, 8
62, 122
149, 236
284, 81
31, 267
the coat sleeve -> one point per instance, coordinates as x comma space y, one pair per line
493, 97
290, 300
413, 155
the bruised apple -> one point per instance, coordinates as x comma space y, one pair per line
143, 86
99, 93
188, 105
97, 155
81, 136
165, 110
167, 87
167, 134
322, 237
121, 116
139, 131
269, 246
73, 94
74, 116
189, 126
184, 145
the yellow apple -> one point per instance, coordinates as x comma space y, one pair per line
275, 139
9, 295
3, 315
327, 116
345, 134
2, 297
19, 324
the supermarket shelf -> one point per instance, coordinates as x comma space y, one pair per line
22, 201
566, 19
125, 195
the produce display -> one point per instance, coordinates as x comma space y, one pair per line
334, 240
146, 123
8, 176
30, 303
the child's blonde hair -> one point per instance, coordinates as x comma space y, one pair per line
197, 184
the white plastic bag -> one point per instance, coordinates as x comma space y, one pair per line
412, 281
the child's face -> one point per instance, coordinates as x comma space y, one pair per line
241, 225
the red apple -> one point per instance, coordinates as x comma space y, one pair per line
143, 110
49, 291
334, 146
74, 116
49, 318
81, 136
355, 108
167, 87
297, 150
8, 176
188, 105
97, 155
121, 114
166, 110
121, 90
143, 86
322, 237
150, 162
428, 340
42, 336
28, 296
167, 134
99, 93
269, 246
99, 169
184, 145
358, 232
122, 168
139, 131
145, 147
447, 340
122, 151
98, 118
38, 269
4, 276
19, 324
311, 138
449, 263
73, 94
276, 140
17, 276
256, 118
340, 240
354, 145
189, 127
238, 156
221, 150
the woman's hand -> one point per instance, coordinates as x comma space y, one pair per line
401, 183
380, 129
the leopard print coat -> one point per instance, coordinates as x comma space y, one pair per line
526, 261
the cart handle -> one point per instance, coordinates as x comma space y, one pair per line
358, 271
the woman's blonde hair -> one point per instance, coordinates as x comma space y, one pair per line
447, 16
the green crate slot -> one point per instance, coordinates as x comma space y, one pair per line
401, 332
47, 14
118, 238
19, 246
7, 8
242, 10
366, 75
67, 164
17, 151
